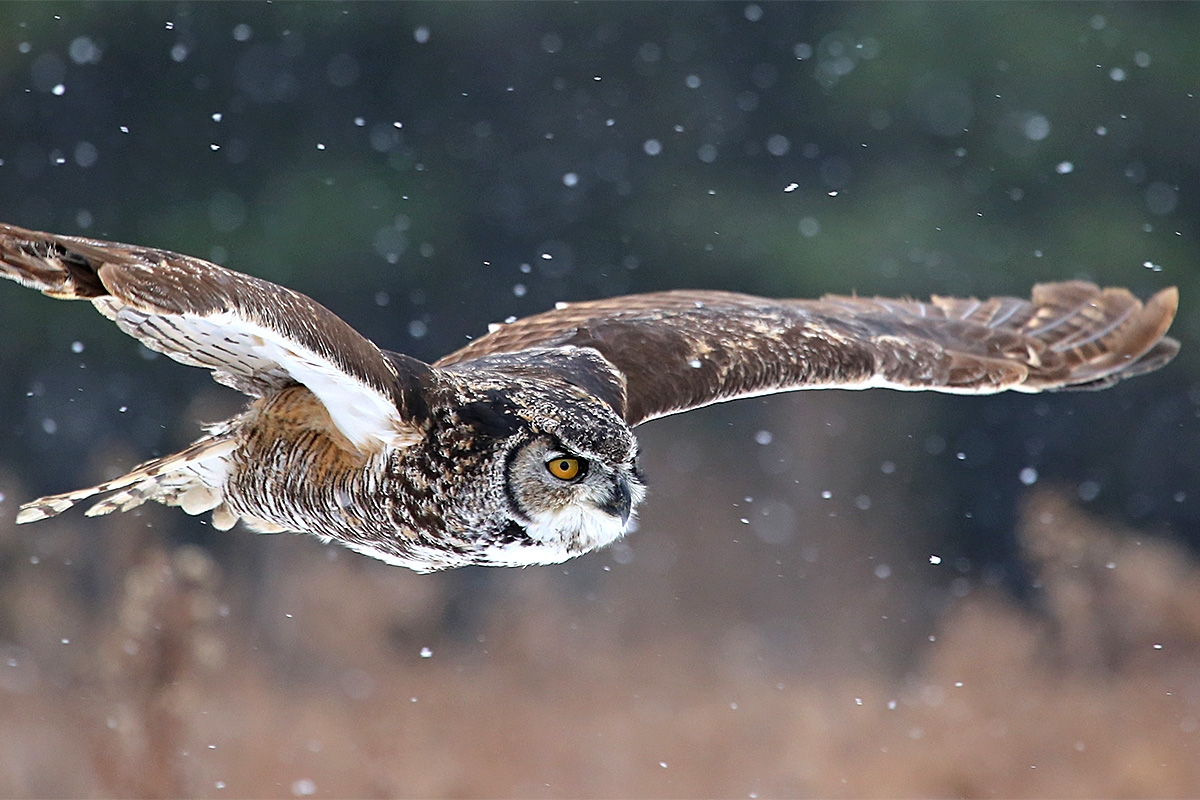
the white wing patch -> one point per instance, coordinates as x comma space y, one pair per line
252, 358
366, 417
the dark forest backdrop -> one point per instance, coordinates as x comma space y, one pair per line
785, 619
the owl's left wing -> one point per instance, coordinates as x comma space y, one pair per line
685, 349
254, 335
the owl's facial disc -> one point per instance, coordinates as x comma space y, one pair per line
569, 501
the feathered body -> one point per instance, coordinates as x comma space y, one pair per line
518, 449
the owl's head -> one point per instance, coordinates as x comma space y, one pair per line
567, 461
570, 473
570, 498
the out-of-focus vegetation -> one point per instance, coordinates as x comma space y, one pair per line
425, 169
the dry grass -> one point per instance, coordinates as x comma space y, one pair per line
179, 682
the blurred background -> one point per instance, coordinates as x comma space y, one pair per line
830, 593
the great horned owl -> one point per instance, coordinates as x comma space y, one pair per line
519, 449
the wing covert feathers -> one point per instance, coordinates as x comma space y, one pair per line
684, 349
255, 336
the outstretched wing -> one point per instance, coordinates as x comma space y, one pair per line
685, 349
255, 336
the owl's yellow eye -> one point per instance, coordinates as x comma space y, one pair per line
565, 468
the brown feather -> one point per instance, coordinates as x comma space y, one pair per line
685, 349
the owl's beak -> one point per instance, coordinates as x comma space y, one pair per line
620, 502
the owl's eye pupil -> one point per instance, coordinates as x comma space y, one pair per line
565, 469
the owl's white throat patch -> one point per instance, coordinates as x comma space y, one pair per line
561, 534
575, 527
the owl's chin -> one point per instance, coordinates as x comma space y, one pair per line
555, 536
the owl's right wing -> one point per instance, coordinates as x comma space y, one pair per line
254, 335
685, 349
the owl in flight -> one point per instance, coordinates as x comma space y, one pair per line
519, 449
